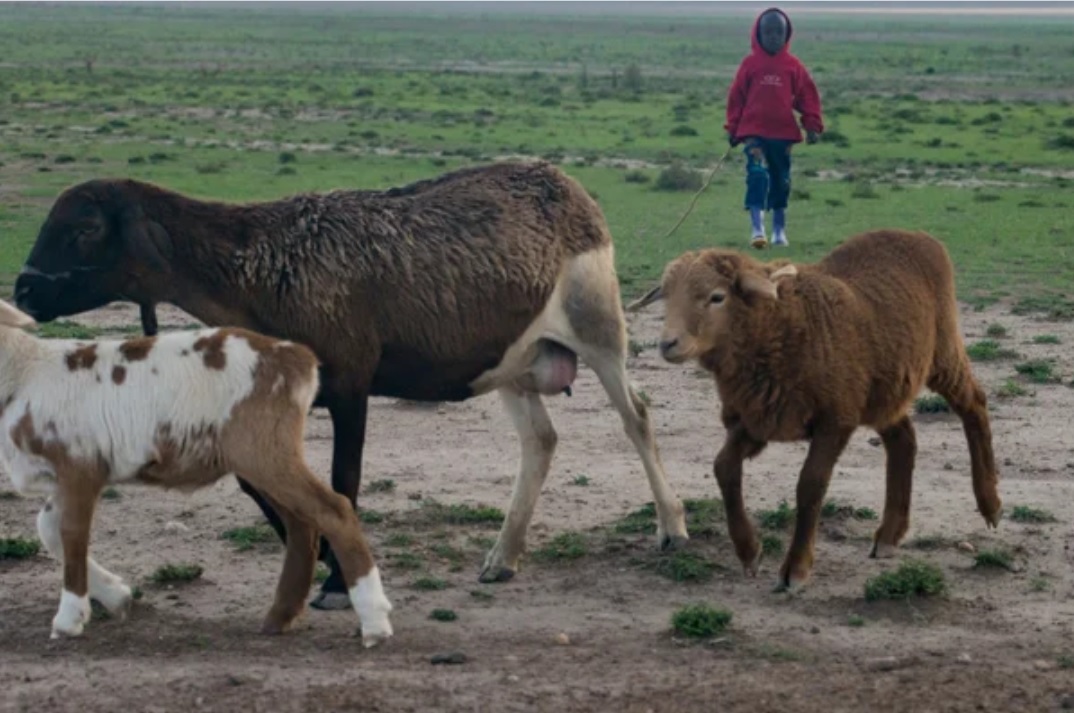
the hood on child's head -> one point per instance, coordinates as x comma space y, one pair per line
755, 33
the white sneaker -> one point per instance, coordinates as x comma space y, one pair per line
779, 238
759, 241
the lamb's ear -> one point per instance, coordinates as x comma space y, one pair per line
753, 284
657, 293
10, 316
146, 241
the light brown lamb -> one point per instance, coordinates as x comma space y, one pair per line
814, 351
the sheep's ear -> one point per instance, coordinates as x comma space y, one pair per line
753, 284
657, 293
147, 242
13, 317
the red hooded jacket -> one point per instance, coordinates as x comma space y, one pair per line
768, 89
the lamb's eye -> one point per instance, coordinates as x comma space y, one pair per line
716, 298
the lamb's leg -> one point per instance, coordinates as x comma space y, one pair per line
728, 471
610, 367
538, 440
900, 445
968, 400
297, 490
106, 588
824, 451
76, 498
296, 577
348, 439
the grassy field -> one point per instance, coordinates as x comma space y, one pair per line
961, 126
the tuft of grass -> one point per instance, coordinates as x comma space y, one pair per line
462, 514
430, 584
321, 573
1039, 584
704, 516
564, 546
370, 517
110, 493
443, 615
1024, 513
1038, 371
700, 621
641, 521
989, 350
932, 403
832, 508
482, 595
1052, 306
385, 485
855, 621
912, 578
1066, 661
398, 539
930, 542
18, 548
993, 559
1011, 389
771, 545
62, 329
246, 538
996, 331
682, 566
406, 560
865, 190
777, 519
1046, 339
637, 177
176, 573
678, 178
581, 481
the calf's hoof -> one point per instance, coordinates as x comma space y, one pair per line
492, 574
331, 601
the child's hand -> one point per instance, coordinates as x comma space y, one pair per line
731, 140
811, 137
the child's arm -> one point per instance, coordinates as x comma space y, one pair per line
807, 103
736, 102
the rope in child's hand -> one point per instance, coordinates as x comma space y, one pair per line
702, 190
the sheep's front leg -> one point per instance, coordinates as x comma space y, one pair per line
728, 471
77, 498
106, 588
538, 439
824, 451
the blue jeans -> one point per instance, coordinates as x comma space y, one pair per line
768, 173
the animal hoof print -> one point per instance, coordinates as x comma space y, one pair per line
331, 601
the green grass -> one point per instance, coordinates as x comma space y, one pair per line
1027, 514
700, 621
832, 508
111, 493
1011, 389
405, 560
990, 350
430, 584
398, 539
1046, 339
855, 621
246, 538
564, 546
461, 514
931, 403
912, 578
370, 517
1038, 371
778, 519
581, 481
176, 573
321, 573
996, 331
685, 566
63, 329
771, 545
18, 548
993, 559
444, 615
482, 595
385, 485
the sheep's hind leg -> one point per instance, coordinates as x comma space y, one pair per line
538, 440
900, 445
106, 588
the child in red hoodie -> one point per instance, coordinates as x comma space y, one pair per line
770, 86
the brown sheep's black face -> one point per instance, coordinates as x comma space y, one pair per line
86, 254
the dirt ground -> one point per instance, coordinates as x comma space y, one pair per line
1002, 640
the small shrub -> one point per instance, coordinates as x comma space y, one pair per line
286, 171
994, 559
865, 190
777, 519
1046, 339
443, 615
700, 621
287, 157
564, 546
1038, 371
176, 573
932, 403
986, 197
1062, 142
430, 584
678, 178
1024, 513
989, 350
385, 485
913, 578
996, 331
18, 548
636, 177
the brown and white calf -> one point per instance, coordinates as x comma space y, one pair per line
179, 410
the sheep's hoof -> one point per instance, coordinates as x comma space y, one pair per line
670, 543
117, 600
331, 601
72, 616
749, 569
376, 628
882, 550
491, 574
992, 521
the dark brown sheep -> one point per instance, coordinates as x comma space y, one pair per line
814, 351
488, 278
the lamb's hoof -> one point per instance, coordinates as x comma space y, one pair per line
749, 569
493, 574
331, 601
883, 551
